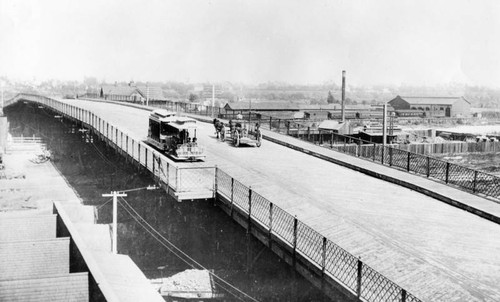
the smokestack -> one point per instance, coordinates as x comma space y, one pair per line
343, 96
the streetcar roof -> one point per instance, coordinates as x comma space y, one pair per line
181, 123
162, 113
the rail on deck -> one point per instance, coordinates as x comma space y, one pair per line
347, 270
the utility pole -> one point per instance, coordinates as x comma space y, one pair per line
115, 195
343, 96
384, 126
213, 99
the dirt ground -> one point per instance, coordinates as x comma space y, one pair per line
25, 185
489, 163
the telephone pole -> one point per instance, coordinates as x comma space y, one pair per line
213, 99
343, 97
115, 195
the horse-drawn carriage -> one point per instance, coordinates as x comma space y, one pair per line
238, 134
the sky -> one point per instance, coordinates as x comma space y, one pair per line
382, 42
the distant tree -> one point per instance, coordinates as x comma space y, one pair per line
192, 97
330, 99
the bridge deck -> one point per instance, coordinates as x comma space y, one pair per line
436, 251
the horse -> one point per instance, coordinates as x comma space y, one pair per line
219, 129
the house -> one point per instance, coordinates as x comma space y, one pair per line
261, 106
434, 106
152, 92
335, 127
316, 115
122, 93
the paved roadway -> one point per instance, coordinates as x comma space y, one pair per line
436, 251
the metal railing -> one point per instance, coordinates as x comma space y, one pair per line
348, 270
181, 179
471, 180
345, 268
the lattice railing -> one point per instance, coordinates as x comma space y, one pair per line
375, 287
399, 158
341, 265
240, 195
283, 224
488, 184
195, 179
224, 184
334, 260
461, 176
260, 208
310, 242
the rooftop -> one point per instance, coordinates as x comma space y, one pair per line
448, 100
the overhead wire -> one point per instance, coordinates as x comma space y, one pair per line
102, 205
179, 251
158, 238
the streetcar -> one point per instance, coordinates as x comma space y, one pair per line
174, 135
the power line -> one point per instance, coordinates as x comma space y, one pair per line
158, 238
102, 205
157, 234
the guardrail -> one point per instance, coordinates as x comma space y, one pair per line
471, 180
180, 179
359, 278
346, 269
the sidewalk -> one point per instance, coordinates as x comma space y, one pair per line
483, 207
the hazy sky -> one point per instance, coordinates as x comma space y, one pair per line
253, 41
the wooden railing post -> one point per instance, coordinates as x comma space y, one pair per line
383, 155
474, 184
133, 149
323, 257
126, 144
270, 123
139, 154
374, 150
428, 166
249, 221
447, 172
270, 223
168, 175
408, 162
358, 283
287, 127
391, 150
359, 148
232, 195
295, 222
153, 168
403, 295
216, 184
